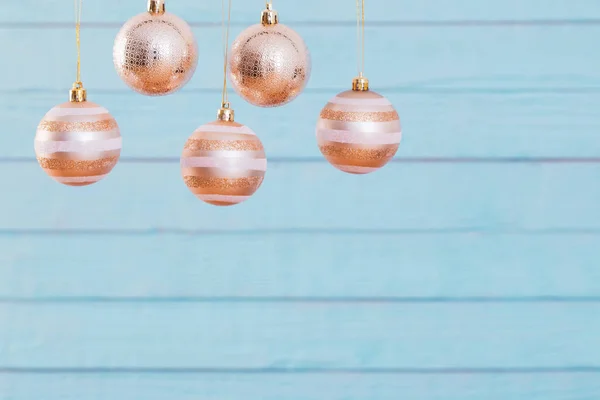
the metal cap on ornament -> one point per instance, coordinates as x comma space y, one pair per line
156, 7
269, 16
225, 113
77, 94
360, 84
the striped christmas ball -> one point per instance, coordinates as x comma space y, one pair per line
78, 143
223, 163
358, 131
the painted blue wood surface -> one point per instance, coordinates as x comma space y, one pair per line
314, 336
314, 10
560, 386
483, 197
298, 266
467, 269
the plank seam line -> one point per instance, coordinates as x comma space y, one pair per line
333, 23
278, 371
319, 300
296, 231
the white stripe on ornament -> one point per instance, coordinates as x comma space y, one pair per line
258, 164
51, 146
347, 101
226, 129
355, 170
68, 111
78, 179
375, 138
222, 198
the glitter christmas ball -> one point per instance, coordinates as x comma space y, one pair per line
78, 143
223, 163
269, 64
358, 131
155, 53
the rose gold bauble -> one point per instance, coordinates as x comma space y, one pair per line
78, 143
155, 53
359, 130
269, 64
223, 163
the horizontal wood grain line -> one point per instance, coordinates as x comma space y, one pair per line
294, 231
329, 23
301, 300
316, 371
397, 160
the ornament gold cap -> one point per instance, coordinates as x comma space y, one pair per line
156, 7
77, 94
269, 16
225, 113
360, 84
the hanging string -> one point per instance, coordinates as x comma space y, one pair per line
360, 36
225, 39
78, 6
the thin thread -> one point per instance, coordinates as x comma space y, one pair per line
225, 39
363, 37
360, 36
358, 65
78, 6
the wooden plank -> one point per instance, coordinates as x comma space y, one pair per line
421, 57
299, 267
282, 336
435, 124
419, 197
312, 10
302, 387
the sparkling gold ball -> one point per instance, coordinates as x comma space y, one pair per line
358, 131
78, 144
155, 54
269, 65
223, 163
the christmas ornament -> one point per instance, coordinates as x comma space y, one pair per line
78, 143
359, 131
223, 163
155, 52
270, 63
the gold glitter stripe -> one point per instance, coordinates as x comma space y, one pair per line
77, 165
233, 145
61, 127
223, 184
349, 116
350, 152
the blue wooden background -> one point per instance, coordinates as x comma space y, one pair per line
467, 269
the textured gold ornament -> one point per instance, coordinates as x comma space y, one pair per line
223, 163
155, 52
359, 130
269, 64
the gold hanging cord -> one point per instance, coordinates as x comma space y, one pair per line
78, 93
360, 35
225, 113
360, 83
